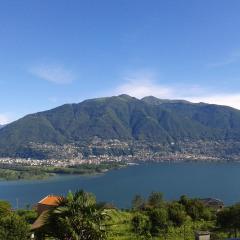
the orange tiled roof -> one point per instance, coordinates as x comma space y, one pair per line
51, 200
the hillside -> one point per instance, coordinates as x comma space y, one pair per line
123, 118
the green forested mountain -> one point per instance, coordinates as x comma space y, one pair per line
124, 118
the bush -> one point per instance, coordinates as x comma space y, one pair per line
177, 214
159, 220
13, 227
141, 224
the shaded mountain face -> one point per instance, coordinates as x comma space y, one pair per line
124, 118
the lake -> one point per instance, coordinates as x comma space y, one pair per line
218, 180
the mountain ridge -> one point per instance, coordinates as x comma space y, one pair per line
2, 125
124, 118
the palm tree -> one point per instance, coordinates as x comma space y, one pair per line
76, 217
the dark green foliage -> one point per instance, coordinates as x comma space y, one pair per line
164, 216
123, 118
5, 208
13, 227
196, 209
79, 217
184, 200
159, 220
177, 214
141, 225
155, 199
28, 216
138, 202
76, 217
229, 219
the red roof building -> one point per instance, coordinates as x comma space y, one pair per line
42, 207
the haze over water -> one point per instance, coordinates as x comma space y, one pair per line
218, 180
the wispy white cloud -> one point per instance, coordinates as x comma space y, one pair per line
144, 84
141, 84
4, 119
232, 100
54, 73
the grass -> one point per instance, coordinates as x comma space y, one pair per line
120, 228
120, 225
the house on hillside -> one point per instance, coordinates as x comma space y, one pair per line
42, 207
47, 203
214, 203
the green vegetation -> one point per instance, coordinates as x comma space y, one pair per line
12, 226
34, 173
229, 220
76, 217
85, 168
123, 118
79, 217
30, 174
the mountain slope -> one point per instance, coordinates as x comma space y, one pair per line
124, 118
157, 101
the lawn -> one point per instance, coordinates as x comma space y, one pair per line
120, 228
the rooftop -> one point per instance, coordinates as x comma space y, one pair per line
51, 200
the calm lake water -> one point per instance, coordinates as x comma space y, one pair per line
219, 180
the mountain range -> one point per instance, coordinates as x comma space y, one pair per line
124, 118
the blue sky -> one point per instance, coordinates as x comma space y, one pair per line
60, 51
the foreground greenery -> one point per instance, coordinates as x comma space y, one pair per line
79, 217
33, 173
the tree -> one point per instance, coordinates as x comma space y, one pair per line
196, 209
159, 220
5, 208
155, 199
76, 218
141, 225
177, 214
28, 215
138, 202
13, 227
229, 219
184, 200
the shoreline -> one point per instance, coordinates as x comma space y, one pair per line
197, 179
29, 173
44, 173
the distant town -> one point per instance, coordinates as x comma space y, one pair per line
98, 151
